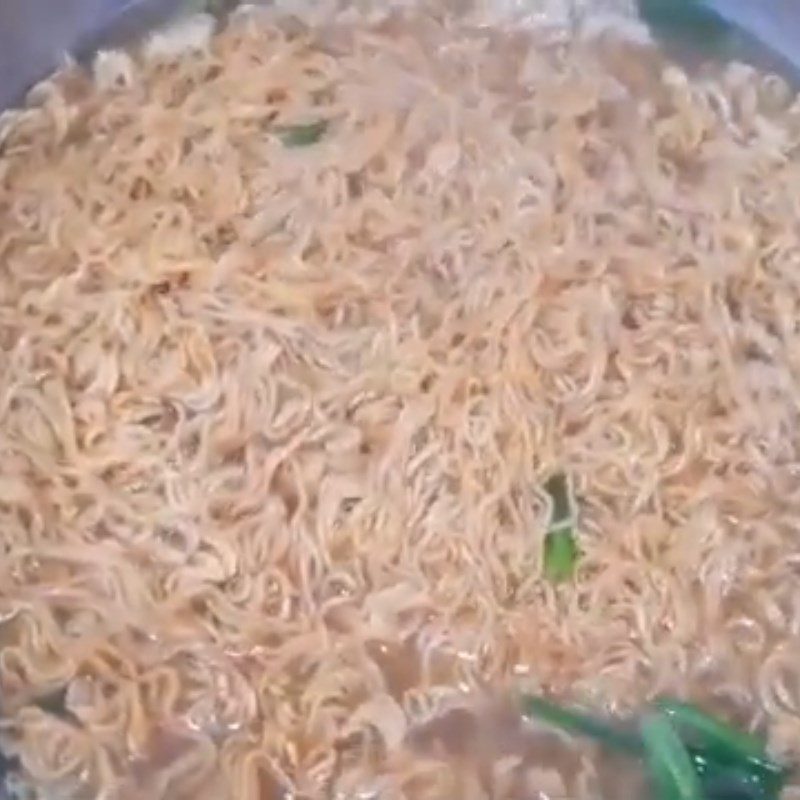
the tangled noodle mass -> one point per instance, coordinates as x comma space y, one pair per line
275, 419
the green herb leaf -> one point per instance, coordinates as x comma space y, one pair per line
728, 782
670, 764
691, 755
721, 744
672, 750
708, 732
561, 554
614, 735
302, 135
561, 551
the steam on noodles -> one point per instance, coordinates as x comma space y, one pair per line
276, 421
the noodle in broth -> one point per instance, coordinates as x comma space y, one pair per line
276, 418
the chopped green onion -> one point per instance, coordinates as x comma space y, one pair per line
729, 782
560, 554
722, 744
690, 755
609, 733
561, 551
709, 732
302, 135
670, 764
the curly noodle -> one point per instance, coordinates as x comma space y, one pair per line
275, 420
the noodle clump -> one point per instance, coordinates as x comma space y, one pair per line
295, 325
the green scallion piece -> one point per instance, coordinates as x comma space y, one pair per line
709, 732
720, 743
609, 733
302, 135
561, 552
729, 782
671, 767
